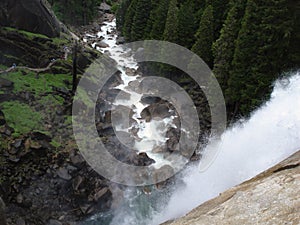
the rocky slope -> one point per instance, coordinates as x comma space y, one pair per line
33, 16
43, 178
272, 197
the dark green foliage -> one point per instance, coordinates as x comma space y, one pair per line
171, 28
151, 19
293, 51
129, 17
158, 18
75, 12
248, 43
186, 26
121, 13
259, 55
220, 11
140, 19
204, 37
198, 4
223, 48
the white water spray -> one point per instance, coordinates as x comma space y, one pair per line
151, 134
269, 136
248, 148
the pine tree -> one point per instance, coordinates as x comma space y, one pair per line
80, 12
140, 20
186, 26
293, 61
198, 4
259, 55
220, 11
121, 13
223, 48
204, 37
170, 34
128, 20
159, 20
171, 27
147, 32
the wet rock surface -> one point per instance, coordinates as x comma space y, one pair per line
272, 197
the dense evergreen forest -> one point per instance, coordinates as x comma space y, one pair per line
76, 12
247, 43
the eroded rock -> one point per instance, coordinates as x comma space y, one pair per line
102, 44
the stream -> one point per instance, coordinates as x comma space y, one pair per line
138, 206
247, 148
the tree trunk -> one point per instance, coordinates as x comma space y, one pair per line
74, 69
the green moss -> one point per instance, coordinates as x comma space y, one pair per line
51, 100
60, 41
21, 117
55, 143
37, 84
11, 57
26, 33
3, 67
68, 120
115, 6
83, 96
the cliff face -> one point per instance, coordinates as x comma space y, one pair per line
273, 197
30, 15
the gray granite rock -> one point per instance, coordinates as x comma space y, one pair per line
272, 197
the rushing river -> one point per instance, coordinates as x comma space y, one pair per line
246, 149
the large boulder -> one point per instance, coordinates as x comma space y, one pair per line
272, 197
104, 7
30, 15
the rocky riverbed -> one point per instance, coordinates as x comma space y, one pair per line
44, 179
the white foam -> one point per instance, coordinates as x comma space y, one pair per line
151, 134
269, 136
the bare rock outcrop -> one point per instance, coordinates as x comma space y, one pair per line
272, 197
33, 16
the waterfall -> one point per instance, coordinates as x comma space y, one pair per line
246, 148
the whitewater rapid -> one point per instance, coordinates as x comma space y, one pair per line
246, 149
150, 134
